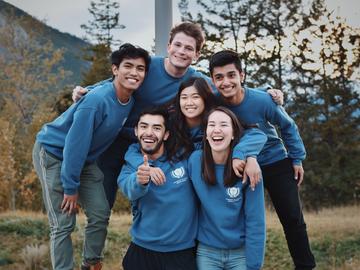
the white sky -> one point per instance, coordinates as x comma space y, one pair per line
136, 15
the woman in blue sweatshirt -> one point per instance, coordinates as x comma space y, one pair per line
231, 231
192, 102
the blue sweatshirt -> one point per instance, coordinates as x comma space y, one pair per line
84, 131
158, 88
257, 107
250, 144
230, 217
165, 218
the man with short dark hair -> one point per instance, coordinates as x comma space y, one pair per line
64, 158
165, 216
280, 159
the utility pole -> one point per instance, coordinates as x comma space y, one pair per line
163, 24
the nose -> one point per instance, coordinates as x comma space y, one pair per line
189, 101
133, 71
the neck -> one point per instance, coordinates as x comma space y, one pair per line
172, 70
220, 157
122, 94
193, 122
156, 155
236, 99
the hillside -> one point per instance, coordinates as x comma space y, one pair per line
72, 46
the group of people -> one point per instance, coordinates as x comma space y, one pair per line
191, 153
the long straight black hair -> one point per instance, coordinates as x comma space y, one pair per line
183, 145
207, 160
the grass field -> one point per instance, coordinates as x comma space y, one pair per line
334, 235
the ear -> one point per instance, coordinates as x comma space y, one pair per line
135, 131
166, 135
114, 69
197, 55
242, 77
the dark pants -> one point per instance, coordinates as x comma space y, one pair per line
139, 258
110, 163
282, 188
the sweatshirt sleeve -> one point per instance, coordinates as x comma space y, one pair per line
129, 185
255, 227
133, 156
93, 86
289, 132
250, 145
76, 148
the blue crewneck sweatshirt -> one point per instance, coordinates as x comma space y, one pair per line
230, 217
165, 218
84, 131
257, 107
250, 145
158, 88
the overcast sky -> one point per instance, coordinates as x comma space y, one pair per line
136, 15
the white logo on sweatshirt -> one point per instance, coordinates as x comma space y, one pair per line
233, 192
178, 173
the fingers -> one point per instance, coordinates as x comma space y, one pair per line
244, 178
157, 176
238, 167
78, 92
146, 161
69, 204
298, 174
277, 96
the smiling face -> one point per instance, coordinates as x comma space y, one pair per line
130, 73
219, 132
151, 134
192, 105
182, 51
227, 80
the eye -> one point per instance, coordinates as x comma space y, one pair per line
141, 68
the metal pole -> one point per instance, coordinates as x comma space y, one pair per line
163, 24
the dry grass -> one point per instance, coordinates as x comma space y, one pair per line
337, 223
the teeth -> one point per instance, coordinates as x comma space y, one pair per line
132, 80
148, 140
217, 138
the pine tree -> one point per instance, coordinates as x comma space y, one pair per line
99, 30
326, 106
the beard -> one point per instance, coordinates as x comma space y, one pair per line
151, 150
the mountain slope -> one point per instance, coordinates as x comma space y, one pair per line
73, 47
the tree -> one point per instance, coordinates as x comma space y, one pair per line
326, 106
28, 80
105, 19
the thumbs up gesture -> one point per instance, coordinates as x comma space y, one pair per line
143, 172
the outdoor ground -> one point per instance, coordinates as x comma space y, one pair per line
334, 235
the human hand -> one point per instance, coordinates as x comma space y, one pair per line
78, 92
238, 167
252, 171
69, 204
157, 176
277, 96
298, 174
143, 172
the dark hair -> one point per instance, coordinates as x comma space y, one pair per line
193, 30
207, 160
129, 51
224, 58
162, 111
183, 145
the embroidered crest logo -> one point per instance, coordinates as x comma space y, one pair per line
233, 192
178, 173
